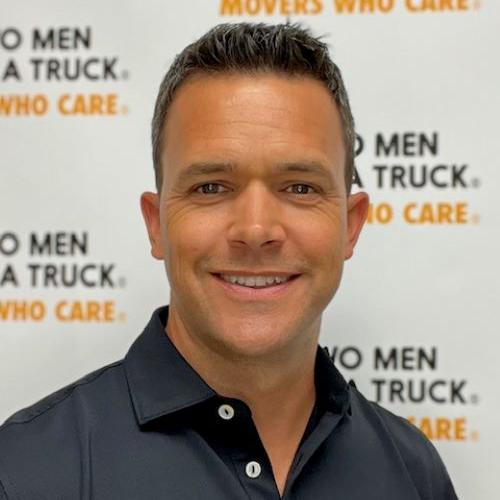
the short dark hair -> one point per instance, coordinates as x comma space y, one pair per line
251, 48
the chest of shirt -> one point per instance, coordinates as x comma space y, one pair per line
215, 461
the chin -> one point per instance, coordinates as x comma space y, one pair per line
253, 339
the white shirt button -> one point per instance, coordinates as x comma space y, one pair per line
253, 469
226, 412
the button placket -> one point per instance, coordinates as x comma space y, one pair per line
240, 441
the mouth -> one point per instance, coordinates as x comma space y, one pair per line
255, 286
257, 281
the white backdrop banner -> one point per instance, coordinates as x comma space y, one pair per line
414, 323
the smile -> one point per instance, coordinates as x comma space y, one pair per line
258, 281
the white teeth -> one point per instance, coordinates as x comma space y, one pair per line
260, 281
254, 281
250, 281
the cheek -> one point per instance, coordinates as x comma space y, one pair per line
190, 236
322, 237
322, 241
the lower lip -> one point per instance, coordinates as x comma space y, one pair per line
250, 293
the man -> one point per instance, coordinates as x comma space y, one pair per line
226, 394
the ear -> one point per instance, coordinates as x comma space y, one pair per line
150, 207
357, 211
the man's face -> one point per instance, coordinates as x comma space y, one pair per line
253, 222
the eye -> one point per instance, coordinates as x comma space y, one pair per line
300, 189
210, 188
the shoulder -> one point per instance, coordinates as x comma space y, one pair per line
59, 400
47, 437
80, 392
410, 441
421, 459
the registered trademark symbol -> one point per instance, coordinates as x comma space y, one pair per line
122, 282
121, 317
125, 74
474, 399
474, 436
475, 182
475, 219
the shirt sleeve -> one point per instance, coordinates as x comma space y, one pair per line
442, 486
428, 469
422, 460
3, 494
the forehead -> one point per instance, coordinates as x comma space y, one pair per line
248, 119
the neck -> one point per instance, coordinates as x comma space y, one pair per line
278, 388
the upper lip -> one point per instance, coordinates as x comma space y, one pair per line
258, 273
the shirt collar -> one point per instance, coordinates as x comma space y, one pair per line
162, 382
332, 390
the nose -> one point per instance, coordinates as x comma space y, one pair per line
256, 220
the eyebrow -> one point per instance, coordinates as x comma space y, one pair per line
207, 168
199, 169
307, 166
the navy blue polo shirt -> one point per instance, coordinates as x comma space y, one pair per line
148, 427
